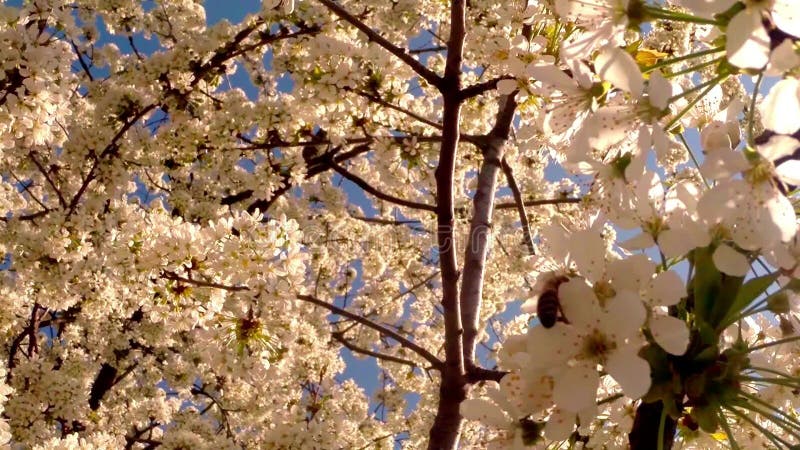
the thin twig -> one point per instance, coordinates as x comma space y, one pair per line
403, 341
427, 74
360, 182
523, 215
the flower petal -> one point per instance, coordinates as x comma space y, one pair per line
747, 41
786, 16
789, 172
659, 90
559, 425
730, 262
666, 289
779, 146
670, 333
506, 87
579, 303
630, 371
617, 66
553, 346
588, 250
781, 107
631, 273
576, 388
484, 411
552, 76
625, 315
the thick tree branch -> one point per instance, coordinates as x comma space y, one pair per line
480, 228
403, 341
360, 182
427, 74
478, 374
446, 429
523, 215
644, 434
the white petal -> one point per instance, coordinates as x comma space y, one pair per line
484, 411
673, 243
667, 289
579, 303
782, 59
721, 202
778, 146
559, 425
630, 371
730, 262
639, 242
714, 137
670, 333
786, 16
506, 87
707, 8
632, 273
781, 107
588, 250
659, 90
780, 214
553, 76
748, 43
789, 172
553, 346
625, 315
617, 66
576, 388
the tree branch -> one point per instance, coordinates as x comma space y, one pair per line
483, 87
339, 337
403, 341
523, 215
400, 109
360, 182
549, 201
400, 53
49, 180
480, 228
437, 49
445, 431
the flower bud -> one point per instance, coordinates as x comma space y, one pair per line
778, 303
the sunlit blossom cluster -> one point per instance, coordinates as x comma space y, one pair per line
208, 224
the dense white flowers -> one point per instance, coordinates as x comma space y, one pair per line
205, 223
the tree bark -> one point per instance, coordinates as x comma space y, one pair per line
446, 429
644, 435
481, 229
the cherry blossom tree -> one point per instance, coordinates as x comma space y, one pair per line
552, 224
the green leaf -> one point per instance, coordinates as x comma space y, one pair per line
722, 304
749, 292
706, 283
706, 417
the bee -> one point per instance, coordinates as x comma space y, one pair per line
548, 308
